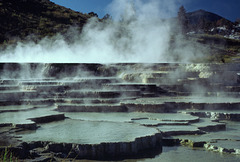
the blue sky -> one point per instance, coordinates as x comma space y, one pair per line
229, 9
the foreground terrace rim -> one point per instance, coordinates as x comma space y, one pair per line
62, 90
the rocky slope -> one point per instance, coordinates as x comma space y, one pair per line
40, 18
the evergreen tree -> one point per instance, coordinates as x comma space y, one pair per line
182, 19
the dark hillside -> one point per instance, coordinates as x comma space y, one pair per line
20, 18
203, 20
195, 17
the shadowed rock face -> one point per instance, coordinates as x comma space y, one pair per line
117, 111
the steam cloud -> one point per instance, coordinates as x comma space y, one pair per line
137, 34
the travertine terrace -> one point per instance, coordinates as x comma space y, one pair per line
117, 111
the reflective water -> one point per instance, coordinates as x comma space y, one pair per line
88, 132
21, 117
123, 117
228, 139
184, 154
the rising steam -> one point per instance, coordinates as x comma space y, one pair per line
137, 33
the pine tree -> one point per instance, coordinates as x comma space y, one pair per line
182, 19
